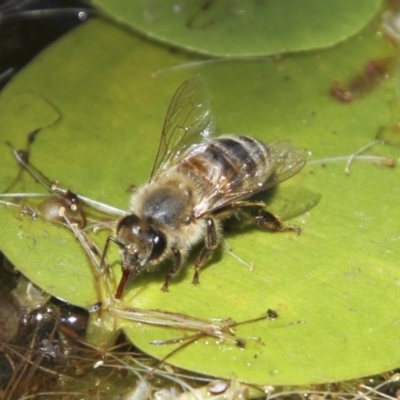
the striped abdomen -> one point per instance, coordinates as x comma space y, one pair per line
228, 164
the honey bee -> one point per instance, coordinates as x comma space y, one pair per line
198, 181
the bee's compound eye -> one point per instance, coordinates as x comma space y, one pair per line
159, 243
129, 221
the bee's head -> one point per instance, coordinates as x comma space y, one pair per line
140, 243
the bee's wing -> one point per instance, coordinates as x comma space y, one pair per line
285, 161
188, 120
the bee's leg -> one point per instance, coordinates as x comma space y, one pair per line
266, 220
211, 243
177, 262
263, 218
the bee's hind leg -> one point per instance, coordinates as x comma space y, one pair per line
266, 220
263, 218
211, 243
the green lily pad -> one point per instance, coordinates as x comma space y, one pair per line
244, 28
331, 285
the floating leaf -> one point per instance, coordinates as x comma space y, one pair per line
331, 285
244, 28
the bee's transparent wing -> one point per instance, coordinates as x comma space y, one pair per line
286, 160
188, 120
289, 159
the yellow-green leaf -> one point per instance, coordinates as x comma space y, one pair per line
333, 286
244, 28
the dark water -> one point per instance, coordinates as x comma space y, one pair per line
29, 26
